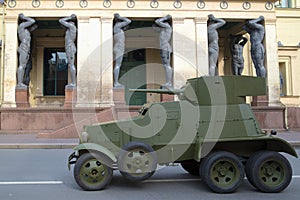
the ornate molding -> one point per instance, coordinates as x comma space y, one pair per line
59, 3
154, 4
12, 3
36, 3
269, 5
83, 3
246, 5
224, 4
177, 4
201, 4
130, 3
106, 3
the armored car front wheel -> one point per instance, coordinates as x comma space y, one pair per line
137, 161
269, 171
222, 171
91, 173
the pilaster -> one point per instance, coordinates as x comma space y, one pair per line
271, 62
88, 62
106, 78
202, 46
184, 50
11, 61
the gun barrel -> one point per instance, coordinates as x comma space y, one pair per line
159, 91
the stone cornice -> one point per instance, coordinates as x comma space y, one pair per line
106, 19
11, 19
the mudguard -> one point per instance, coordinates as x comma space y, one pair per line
280, 145
90, 147
96, 147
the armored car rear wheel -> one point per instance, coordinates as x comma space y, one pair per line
269, 171
90, 173
222, 171
137, 161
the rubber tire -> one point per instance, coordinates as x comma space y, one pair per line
207, 165
191, 166
81, 161
249, 162
255, 164
131, 146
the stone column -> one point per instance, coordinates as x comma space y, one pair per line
271, 62
89, 62
202, 46
39, 71
11, 61
106, 78
184, 50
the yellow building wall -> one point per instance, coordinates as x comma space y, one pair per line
2, 38
288, 28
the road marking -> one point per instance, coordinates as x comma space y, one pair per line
61, 182
31, 183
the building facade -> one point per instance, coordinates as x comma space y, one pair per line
141, 67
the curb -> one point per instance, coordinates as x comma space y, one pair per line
295, 144
38, 146
64, 145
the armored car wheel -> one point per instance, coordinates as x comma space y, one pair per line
137, 161
222, 171
269, 171
191, 166
90, 173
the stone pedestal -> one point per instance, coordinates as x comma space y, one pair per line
22, 97
70, 97
269, 117
166, 97
260, 101
119, 96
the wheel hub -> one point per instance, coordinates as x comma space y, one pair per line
222, 171
269, 171
94, 173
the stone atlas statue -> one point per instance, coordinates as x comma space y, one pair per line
26, 26
213, 39
69, 24
256, 30
165, 30
236, 46
119, 46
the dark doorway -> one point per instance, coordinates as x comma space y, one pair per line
55, 71
133, 76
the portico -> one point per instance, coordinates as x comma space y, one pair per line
94, 43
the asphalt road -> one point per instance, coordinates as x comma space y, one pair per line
42, 174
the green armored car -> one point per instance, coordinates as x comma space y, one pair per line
210, 131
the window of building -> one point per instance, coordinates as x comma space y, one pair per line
285, 76
287, 4
55, 71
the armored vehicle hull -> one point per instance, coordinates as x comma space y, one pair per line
210, 131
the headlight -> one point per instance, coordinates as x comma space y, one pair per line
84, 136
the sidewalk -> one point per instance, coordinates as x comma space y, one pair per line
30, 141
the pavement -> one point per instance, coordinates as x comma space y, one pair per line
31, 141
